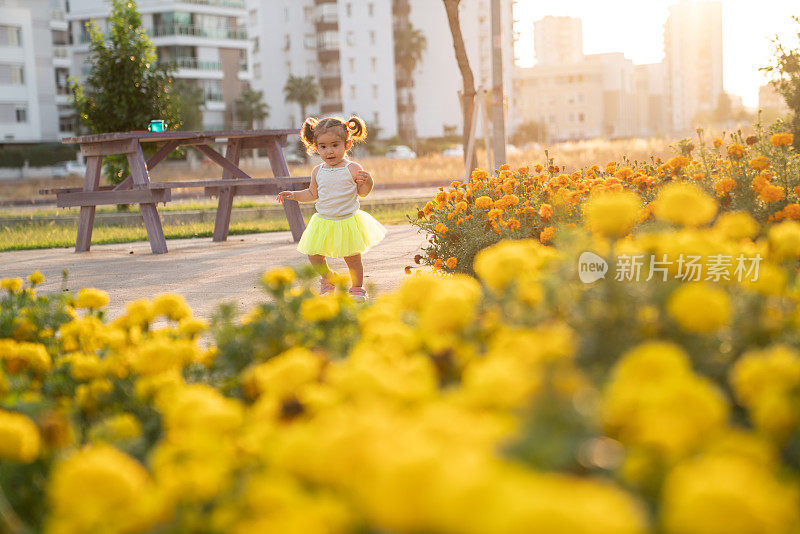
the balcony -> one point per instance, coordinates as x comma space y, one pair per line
192, 63
216, 3
168, 30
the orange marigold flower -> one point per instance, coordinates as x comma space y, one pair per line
523, 170
483, 203
537, 168
451, 262
493, 214
751, 140
428, 209
678, 162
736, 151
759, 183
771, 193
797, 191
759, 163
437, 264
781, 139
420, 214
545, 212
792, 211
461, 206
441, 197
455, 184
433, 255
505, 167
451, 215
441, 228
547, 234
479, 174
718, 142
407, 269
699, 175
725, 186
513, 224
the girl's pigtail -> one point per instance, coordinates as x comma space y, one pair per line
357, 129
307, 134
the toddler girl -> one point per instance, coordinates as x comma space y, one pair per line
339, 229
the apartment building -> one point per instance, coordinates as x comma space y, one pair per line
437, 79
558, 40
206, 40
342, 44
34, 65
693, 59
650, 95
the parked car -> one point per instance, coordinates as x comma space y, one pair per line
68, 169
400, 152
455, 151
512, 149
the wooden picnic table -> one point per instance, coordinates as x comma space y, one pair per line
138, 189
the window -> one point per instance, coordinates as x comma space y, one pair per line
352, 91
65, 124
255, 44
12, 75
286, 14
348, 9
373, 64
308, 13
352, 64
328, 40
310, 41
371, 9
10, 36
257, 71
375, 117
351, 38
287, 42
581, 117
21, 112
374, 91
372, 37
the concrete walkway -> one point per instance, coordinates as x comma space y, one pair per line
204, 272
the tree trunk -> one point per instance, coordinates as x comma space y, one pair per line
303, 115
468, 98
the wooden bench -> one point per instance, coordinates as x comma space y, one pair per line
138, 189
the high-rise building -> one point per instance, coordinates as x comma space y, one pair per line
558, 40
437, 79
34, 65
693, 57
206, 40
341, 44
651, 100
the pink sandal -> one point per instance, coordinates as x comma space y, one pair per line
358, 294
325, 287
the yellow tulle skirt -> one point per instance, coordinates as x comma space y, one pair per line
338, 239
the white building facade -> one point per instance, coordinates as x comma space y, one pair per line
558, 40
342, 44
693, 58
34, 65
205, 39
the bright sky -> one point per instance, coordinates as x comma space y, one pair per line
747, 27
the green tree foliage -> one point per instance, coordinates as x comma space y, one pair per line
302, 90
787, 82
529, 131
250, 107
191, 100
125, 88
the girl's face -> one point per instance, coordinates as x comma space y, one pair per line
331, 148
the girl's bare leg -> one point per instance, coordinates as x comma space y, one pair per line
320, 264
356, 269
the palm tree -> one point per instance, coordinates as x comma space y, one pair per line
409, 45
250, 107
468, 95
303, 90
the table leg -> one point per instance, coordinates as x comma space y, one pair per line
290, 207
94, 165
152, 221
225, 205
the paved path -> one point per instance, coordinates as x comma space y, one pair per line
205, 273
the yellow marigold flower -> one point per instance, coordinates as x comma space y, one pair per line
784, 240
547, 234
699, 309
679, 162
759, 372
451, 262
736, 225
441, 228
725, 186
771, 193
718, 142
97, 487
139, 312
172, 306
319, 308
759, 163
545, 212
484, 203
91, 298
35, 355
190, 326
736, 151
11, 284
612, 213
35, 278
119, 427
461, 206
505, 261
277, 278
685, 204
781, 139
726, 493
283, 375
19, 438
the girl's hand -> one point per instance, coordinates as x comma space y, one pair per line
362, 177
284, 195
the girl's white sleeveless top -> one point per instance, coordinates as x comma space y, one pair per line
336, 191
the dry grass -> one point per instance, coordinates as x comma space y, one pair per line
435, 168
